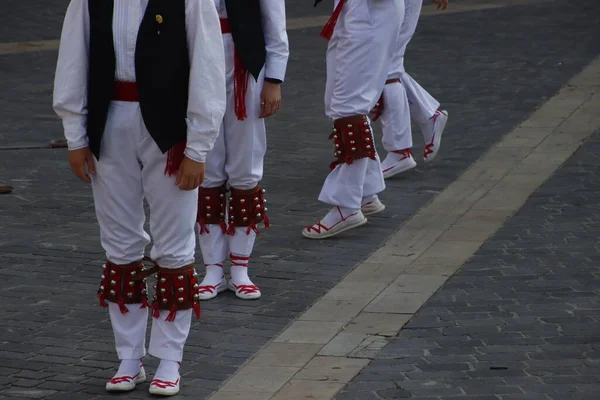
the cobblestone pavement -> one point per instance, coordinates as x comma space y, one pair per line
520, 320
490, 69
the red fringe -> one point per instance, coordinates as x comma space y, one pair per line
174, 158
122, 307
203, 227
172, 314
224, 227
231, 229
376, 111
103, 302
252, 227
144, 303
266, 222
155, 310
197, 309
240, 87
327, 30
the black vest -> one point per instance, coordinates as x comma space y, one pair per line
247, 33
162, 69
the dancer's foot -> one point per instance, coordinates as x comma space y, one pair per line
166, 380
338, 220
397, 162
371, 205
432, 132
130, 373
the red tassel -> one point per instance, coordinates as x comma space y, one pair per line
240, 87
103, 302
231, 229
197, 309
224, 227
172, 314
144, 303
122, 307
376, 111
327, 30
266, 222
203, 227
174, 158
155, 310
252, 227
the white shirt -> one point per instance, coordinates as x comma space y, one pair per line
276, 39
207, 99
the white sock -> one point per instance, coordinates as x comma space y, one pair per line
239, 270
213, 276
129, 368
336, 214
167, 371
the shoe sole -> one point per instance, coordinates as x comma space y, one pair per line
393, 172
442, 127
163, 392
373, 212
328, 234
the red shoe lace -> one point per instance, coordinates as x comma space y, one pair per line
207, 289
429, 145
164, 384
122, 379
246, 289
317, 227
406, 153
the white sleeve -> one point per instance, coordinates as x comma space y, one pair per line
207, 100
276, 39
70, 81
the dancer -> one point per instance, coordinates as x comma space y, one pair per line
362, 38
256, 55
402, 99
140, 88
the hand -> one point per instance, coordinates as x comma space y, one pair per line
443, 4
78, 159
190, 174
270, 99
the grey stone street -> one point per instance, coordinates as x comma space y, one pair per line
518, 321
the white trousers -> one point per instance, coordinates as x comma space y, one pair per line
237, 159
407, 100
359, 56
131, 169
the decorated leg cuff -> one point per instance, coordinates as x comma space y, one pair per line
352, 140
211, 208
119, 285
247, 209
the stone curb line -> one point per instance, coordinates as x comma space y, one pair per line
321, 351
296, 23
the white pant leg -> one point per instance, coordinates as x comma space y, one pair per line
172, 210
358, 61
117, 186
245, 141
129, 330
168, 338
118, 198
422, 105
395, 119
172, 220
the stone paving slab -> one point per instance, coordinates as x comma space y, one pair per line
520, 319
395, 288
55, 343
